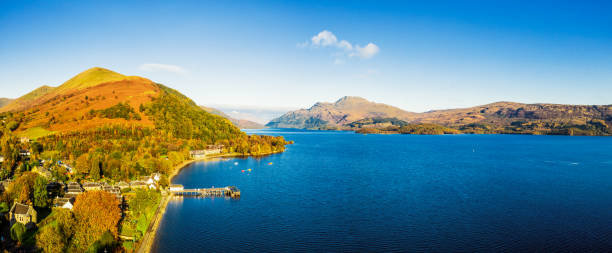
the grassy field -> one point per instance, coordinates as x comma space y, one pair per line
35, 133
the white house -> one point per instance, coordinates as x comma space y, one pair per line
176, 187
65, 202
156, 176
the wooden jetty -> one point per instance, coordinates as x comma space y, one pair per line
230, 191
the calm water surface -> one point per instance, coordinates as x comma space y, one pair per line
340, 191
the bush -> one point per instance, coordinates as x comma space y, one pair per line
106, 243
18, 232
4, 208
12, 125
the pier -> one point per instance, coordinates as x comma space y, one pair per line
230, 191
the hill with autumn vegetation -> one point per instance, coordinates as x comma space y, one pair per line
354, 113
108, 124
69, 106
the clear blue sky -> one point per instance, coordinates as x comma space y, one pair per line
422, 56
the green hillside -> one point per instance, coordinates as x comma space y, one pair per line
89, 78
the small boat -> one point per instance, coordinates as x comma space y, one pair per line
270, 163
242, 171
235, 163
249, 170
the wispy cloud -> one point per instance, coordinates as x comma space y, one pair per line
326, 38
154, 67
367, 52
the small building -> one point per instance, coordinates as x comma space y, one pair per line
213, 149
92, 186
24, 139
147, 180
176, 187
1, 159
55, 188
156, 176
72, 195
24, 152
197, 154
23, 214
115, 190
210, 150
74, 187
65, 202
122, 185
138, 184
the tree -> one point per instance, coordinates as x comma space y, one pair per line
4, 208
96, 212
40, 193
82, 164
163, 181
94, 171
36, 148
50, 239
10, 150
18, 231
12, 125
65, 222
22, 190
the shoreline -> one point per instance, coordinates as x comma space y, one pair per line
149, 238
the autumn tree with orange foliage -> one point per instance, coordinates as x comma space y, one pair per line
96, 212
22, 190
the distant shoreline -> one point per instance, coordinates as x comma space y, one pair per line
373, 130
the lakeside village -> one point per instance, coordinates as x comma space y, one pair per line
47, 211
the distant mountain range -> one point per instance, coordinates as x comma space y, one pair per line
501, 117
241, 123
5, 101
338, 114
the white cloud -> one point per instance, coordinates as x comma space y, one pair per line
326, 38
154, 67
345, 45
368, 51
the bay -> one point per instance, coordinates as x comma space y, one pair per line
336, 191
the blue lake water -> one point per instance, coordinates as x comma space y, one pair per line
340, 191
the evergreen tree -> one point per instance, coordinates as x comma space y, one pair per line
40, 193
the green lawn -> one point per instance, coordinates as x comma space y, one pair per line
35, 133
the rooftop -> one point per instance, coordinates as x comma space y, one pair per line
19, 208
